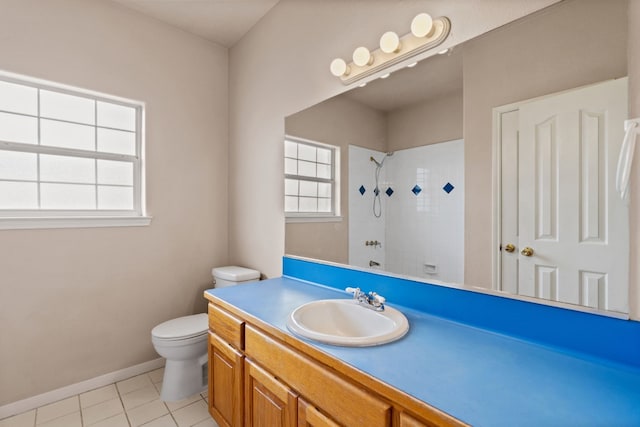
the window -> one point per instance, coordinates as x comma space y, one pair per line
310, 183
68, 157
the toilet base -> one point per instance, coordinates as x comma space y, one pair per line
184, 378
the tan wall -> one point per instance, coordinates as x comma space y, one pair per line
427, 123
542, 55
276, 72
340, 122
78, 303
633, 56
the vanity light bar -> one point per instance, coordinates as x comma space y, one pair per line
426, 33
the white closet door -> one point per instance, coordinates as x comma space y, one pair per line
568, 210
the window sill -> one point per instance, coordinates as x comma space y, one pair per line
295, 219
73, 222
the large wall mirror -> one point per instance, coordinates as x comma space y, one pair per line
491, 165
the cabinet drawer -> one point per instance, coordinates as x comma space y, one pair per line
348, 404
226, 326
309, 416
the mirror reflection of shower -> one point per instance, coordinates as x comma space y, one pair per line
418, 224
377, 206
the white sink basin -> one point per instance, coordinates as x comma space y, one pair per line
346, 323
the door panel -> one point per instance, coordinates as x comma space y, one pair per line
509, 207
567, 208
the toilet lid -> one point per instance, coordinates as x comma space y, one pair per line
182, 327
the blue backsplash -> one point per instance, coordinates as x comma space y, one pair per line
586, 334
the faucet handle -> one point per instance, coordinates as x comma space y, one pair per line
355, 291
377, 298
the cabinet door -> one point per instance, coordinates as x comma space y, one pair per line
407, 420
349, 404
225, 383
309, 416
269, 403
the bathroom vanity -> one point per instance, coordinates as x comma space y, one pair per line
443, 372
259, 372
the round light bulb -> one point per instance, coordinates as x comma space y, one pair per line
422, 25
389, 42
385, 76
339, 68
362, 57
412, 65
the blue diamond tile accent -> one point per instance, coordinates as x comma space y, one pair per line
416, 189
448, 187
362, 190
376, 191
389, 191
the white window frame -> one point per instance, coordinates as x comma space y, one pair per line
334, 215
57, 218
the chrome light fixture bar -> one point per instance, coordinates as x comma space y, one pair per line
426, 33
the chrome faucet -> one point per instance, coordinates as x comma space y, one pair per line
371, 300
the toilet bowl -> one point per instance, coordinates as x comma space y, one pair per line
183, 342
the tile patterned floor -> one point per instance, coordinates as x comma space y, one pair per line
130, 403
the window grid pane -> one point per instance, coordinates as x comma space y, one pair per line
309, 178
17, 98
71, 108
58, 176
18, 128
54, 133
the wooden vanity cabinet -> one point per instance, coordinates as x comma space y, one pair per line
226, 377
256, 379
347, 403
406, 420
310, 416
268, 403
226, 367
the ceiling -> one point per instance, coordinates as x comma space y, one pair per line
220, 21
431, 78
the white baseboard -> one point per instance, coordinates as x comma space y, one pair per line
71, 390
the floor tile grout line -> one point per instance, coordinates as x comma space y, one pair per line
119, 395
97, 388
35, 421
80, 410
126, 415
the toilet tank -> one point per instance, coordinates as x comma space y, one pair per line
233, 275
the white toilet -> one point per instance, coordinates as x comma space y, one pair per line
183, 342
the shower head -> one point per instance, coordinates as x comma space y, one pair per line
381, 162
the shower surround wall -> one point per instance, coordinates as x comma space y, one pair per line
421, 229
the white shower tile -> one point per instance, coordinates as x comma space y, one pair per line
429, 223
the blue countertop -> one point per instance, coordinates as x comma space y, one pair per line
477, 376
